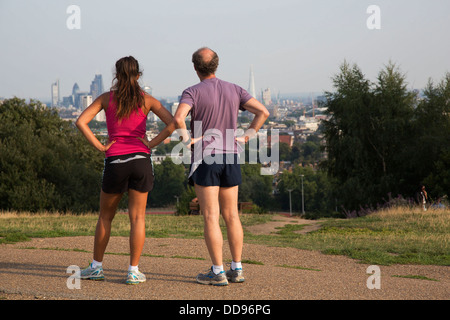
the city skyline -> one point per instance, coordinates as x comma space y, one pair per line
292, 46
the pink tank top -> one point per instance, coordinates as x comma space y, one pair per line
126, 131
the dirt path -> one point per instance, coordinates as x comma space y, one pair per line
37, 269
280, 221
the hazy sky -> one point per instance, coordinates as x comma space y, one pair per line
293, 45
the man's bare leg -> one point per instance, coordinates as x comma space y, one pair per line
208, 198
228, 198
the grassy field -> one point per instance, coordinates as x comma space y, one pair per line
394, 236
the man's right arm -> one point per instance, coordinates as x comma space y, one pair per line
261, 114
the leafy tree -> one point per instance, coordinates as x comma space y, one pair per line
45, 163
170, 181
368, 127
373, 137
184, 201
430, 149
317, 192
255, 187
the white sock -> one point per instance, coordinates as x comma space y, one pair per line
236, 265
217, 269
96, 264
133, 268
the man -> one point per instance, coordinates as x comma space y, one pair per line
215, 172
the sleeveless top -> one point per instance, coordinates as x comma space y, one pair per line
125, 131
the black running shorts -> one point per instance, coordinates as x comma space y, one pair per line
227, 173
129, 171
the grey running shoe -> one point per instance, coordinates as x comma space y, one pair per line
92, 273
236, 275
212, 278
135, 277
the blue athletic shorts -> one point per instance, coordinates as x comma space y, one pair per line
129, 171
226, 173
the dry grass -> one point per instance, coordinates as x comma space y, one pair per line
398, 235
391, 236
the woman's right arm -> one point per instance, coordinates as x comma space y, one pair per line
86, 116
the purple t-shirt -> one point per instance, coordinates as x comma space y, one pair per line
214, 111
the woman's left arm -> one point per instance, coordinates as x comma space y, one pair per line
86, 116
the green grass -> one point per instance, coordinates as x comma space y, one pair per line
396, 236
297, 267
414, 277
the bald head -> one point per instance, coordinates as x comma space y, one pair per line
205, 61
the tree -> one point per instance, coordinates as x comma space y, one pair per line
255, 187
45, 163
430, 149
367, 135
318, 200
170, 181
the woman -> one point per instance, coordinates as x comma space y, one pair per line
128, 164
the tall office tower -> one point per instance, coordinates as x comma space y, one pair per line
96, 86
251, 85
173, 108
55, 93
75, 95
85, 101
266, 97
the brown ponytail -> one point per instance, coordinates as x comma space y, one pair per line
128, 93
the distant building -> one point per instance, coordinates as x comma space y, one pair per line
55, 94
288, 139
75, 89
96, 86
282, 138
67, 101
266, 97
75, 95
273, 110
174, 108
151, 116
85, 101
251, 85
101, 116
78, 102
311, 123
148, 89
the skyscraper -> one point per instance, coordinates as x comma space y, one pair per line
75, 89
266, 97
251, 85
85, 101
96, 86
55, 93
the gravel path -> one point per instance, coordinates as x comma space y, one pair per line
37, 270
